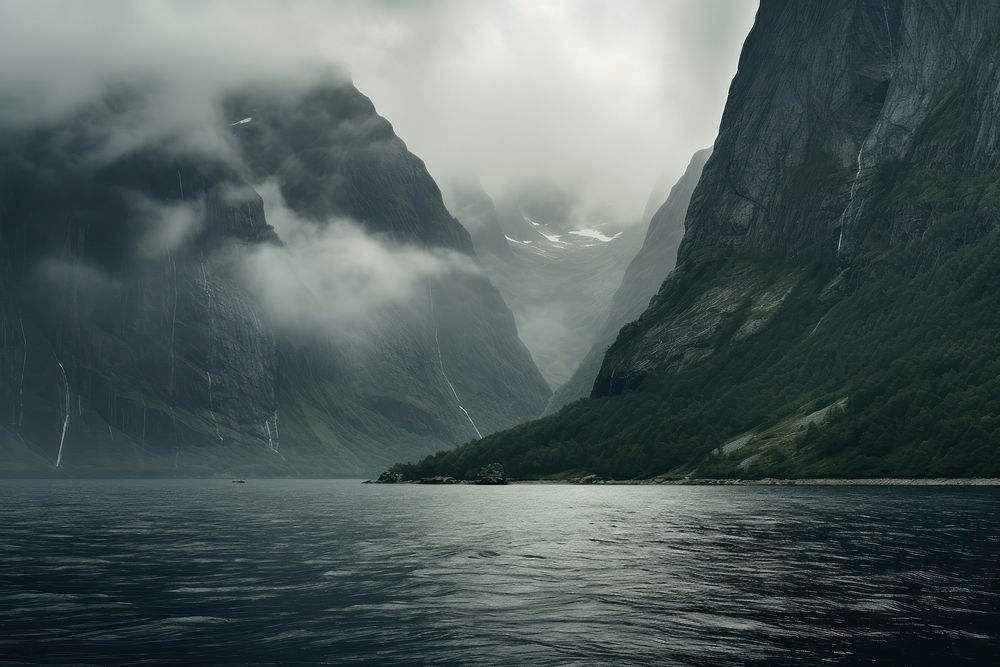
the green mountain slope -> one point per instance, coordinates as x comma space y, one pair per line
835, 307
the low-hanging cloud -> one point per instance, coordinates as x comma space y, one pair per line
594, 96
166, 227
332, 278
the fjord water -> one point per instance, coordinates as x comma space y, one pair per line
304, 571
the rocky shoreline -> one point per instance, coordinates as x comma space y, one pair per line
889, 481
768, 481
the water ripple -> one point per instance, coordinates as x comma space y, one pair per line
333, 571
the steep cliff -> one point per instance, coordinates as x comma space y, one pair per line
439, 369
135, 342
871, 95
129, 341
835, 301
643, 277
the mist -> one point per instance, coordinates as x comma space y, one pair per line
332, 279
593, 103
596, 98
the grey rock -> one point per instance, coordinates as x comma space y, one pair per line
643, 277
827, 95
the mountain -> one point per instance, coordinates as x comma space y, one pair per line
643, 277
835, 303
136, 333
475, 209
436, 371
557, 268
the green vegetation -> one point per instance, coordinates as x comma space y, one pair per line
914, 348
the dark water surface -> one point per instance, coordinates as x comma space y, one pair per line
204, 571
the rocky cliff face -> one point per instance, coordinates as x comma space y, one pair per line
448, 367
134, 343
643, 277
834, 307
129, 339
828, 98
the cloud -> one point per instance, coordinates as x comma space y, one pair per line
332, 278
167, 226
596, 97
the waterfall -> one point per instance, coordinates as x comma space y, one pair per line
277, 440
62, 439
437, 345
273, 442
850, 199
270, 441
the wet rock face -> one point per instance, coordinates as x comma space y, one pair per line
446, 368
643, 277
811, 83
828, 97
334, 156
159, 345
826, 94
122, 277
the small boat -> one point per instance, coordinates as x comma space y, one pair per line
239, 481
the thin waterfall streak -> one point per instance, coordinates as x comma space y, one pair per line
437, 344
270, 441
62, 438
277, 439
850, 199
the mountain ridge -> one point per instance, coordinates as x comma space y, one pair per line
135, 344
840, 258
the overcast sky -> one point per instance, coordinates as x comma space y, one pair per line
606, 94
602, 96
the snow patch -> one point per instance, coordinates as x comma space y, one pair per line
529, 220
595, 234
